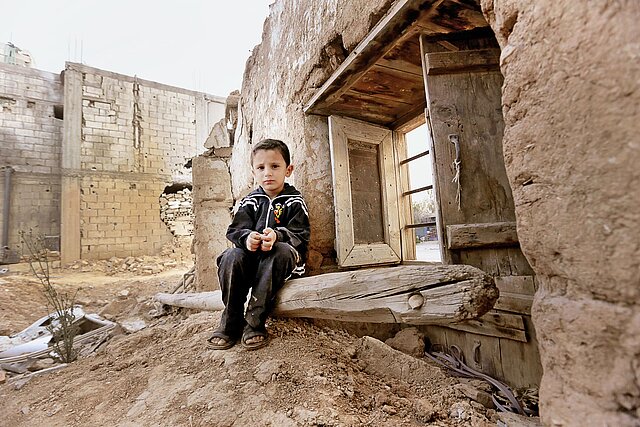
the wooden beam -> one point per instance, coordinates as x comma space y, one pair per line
464, 236
463, 61
515, 303
516, 284
411, 294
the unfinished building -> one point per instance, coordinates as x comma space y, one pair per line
95, 161
533, 162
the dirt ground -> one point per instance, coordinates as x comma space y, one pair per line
165, 375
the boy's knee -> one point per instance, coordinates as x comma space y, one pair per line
286, 251
231, 256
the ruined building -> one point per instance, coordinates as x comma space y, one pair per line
531, 112
96, 161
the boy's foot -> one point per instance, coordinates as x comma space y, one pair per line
220, 341
253, 339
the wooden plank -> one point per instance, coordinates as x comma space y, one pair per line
521, 361
390, 84
463, 236
499, 325
514, 303
516, 284
463, 61
404, 56
419, 295
481, 352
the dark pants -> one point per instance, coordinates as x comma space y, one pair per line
263, 272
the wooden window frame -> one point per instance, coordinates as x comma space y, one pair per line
350, 253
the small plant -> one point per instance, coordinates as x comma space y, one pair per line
62, 326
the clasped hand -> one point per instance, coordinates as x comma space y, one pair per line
264, 241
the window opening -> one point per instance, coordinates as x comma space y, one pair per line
420, 227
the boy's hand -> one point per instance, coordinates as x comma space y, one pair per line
268, 239
253, 241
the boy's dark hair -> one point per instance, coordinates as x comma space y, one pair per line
273, 144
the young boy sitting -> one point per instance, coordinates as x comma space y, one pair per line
270, 232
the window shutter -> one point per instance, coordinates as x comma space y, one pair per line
365, 193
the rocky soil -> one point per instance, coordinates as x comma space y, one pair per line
163, 374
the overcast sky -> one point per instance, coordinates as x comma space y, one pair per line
194, 44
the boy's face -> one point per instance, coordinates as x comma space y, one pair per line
270, 170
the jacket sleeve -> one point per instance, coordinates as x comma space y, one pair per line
241, 226
297, 231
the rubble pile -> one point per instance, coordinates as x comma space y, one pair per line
176, 210
143, 265
174, 254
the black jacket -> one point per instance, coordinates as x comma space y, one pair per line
287, 214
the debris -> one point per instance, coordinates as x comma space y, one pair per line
475, 394
133, 325
33, 342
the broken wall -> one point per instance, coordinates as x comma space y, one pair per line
30, 140
571, 103
135, 138
303, 42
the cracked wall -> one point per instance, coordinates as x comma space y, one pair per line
137, 138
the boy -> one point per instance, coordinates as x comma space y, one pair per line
270, 232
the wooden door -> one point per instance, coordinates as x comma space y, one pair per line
476, 214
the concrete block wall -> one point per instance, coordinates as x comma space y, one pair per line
136, 137
30, 141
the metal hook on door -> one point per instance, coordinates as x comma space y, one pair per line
457, 163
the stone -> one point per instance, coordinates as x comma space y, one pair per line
3, 376
267, 370
133, 325
409, 341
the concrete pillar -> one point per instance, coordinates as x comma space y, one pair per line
212, 202
70, 191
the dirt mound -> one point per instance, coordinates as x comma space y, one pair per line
165, 375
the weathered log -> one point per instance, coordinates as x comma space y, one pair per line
412, 294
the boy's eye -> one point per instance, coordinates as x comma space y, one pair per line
260, 168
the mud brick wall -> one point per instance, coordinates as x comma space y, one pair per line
571, 98
30, 140
302, 44
136, 139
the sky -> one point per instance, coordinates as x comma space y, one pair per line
193, 44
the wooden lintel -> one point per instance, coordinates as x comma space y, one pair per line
411, 294
464, 236
462, 61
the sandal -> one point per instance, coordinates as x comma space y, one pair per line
228, 341
249, 333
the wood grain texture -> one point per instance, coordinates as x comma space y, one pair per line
450, 293
461, 236
463, 61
